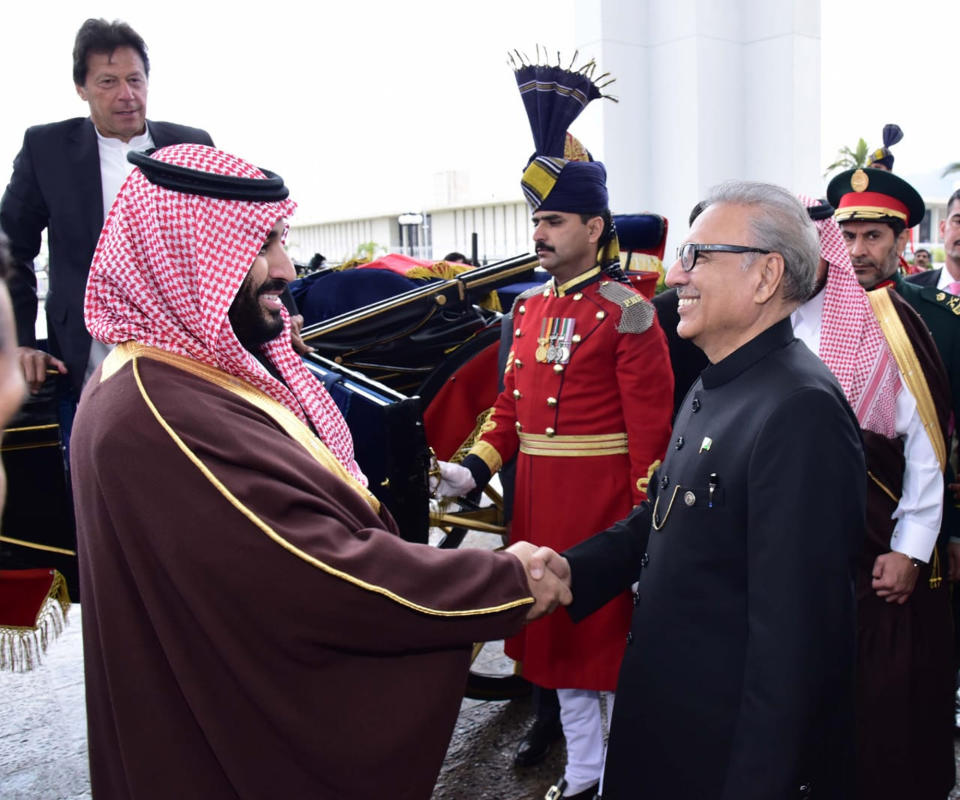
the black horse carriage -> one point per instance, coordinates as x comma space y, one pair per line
411, 362
429, 354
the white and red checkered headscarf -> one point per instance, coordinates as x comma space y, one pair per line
852, 343
167, 269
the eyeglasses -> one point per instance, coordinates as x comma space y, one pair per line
687, 254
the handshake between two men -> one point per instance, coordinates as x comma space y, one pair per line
548, 573
548, 576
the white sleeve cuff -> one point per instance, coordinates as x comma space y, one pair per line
914, 540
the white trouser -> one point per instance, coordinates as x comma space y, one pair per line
586, 729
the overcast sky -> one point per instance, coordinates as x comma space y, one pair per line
358, 104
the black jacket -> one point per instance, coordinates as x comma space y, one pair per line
56, 185
737, 681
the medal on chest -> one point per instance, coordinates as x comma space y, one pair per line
555, 339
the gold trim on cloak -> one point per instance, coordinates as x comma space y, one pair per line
910, 369
295, 428
916, 381
132, 350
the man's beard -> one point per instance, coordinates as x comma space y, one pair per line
253, 325
884, 270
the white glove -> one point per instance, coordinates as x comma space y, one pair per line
454, 481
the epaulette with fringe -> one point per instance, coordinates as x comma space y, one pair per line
637, 313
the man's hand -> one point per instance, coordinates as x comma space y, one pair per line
35, 363
300, 346
953, 552
454, 481
548, 577
894, 577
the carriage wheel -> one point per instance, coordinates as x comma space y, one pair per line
462, 388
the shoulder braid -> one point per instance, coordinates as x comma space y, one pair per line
636, 312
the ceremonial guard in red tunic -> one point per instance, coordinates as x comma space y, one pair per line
588, 394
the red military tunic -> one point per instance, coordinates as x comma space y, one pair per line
588, 393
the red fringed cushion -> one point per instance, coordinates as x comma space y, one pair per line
23, 593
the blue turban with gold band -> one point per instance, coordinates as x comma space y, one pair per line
556, 184
553, 97
882, 155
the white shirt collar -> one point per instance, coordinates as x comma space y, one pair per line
807, 321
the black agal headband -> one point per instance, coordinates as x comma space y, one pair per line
208, 184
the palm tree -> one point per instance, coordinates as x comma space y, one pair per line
849, 159
950, 169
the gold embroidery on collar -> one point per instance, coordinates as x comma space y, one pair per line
279, 413
567, 285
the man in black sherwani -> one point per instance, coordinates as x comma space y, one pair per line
737, 681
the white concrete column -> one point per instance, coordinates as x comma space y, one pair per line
709, 90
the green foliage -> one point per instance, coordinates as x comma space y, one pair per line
367, 251
849, 159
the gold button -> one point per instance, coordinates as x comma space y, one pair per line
516, 394
522, 310
576, 338
551, 401
601, 314
558, 367
550, 432
518, 333
578, 296
519, 427
517, 363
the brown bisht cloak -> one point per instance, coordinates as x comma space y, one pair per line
252, 626
905, 652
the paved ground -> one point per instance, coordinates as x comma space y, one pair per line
43, 750
43, 725
43, 747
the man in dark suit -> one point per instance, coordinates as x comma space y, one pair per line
741, 650
944, 279
64, 179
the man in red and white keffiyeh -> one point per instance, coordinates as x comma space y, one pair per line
903, 679
851, 342
232, 561
169, 266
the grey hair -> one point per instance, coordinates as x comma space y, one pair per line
780, 224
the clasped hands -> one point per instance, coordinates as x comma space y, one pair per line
894, 577
548, 577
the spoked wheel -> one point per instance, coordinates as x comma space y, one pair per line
455, 398
456, 523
